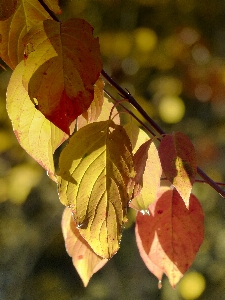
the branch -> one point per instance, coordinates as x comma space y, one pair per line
132, 101
49, 11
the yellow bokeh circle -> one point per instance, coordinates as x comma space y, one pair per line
192, 286
145, 39
171, 109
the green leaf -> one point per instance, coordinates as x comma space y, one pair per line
84, 258
178, 159
95, 168
38, 136
63, 63
27, 14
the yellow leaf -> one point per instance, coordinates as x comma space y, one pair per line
150, 179
63, 63
94, 110
38, 136
27, 14
95, 168
84, 258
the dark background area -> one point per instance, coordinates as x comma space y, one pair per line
171, 56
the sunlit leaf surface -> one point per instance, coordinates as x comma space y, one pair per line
37, 135
94, 110
95, 168
147, 179
84, 258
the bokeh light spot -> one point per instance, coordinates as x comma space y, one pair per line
171, 109
192, 286
146, 39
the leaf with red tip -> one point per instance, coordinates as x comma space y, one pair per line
62, 65
84, 258
178, 159
148, 174
172, 234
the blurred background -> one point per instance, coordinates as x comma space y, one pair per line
170, 55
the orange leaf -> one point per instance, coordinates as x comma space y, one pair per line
172, 234
63, 63
37, 135
178, 159
84, 258
7, 8
27, 14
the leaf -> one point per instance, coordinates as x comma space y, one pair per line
178, 159
95, 168
7, 8
84, 258
153, 268
94, 110
136, 135
38, 136
53, 5
28, 13
63, 63
148, 173
172, 234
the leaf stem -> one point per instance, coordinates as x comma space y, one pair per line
132, 101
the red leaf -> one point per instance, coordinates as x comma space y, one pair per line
63, 63
178, 159
84, 258
172, 234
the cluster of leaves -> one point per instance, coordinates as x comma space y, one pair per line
56, 94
